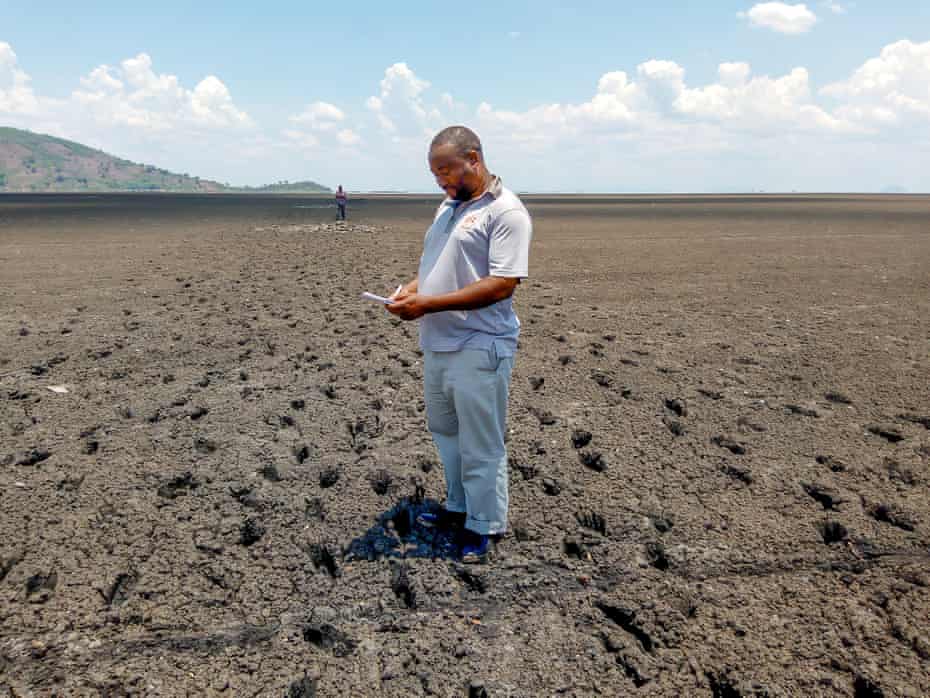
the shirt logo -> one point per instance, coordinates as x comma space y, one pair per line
470, 220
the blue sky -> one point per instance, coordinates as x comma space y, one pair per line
250, 93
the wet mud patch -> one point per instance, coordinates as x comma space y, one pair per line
396, 534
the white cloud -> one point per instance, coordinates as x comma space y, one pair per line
835, 7
16, 94
320, 116
321, 125
101, 79
211, 104
733, 74
135, 96
891, 88
302, 139
781, 17
400, 108
758, 103
348, 137
659, 101
642, 128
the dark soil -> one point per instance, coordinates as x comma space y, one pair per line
719, 444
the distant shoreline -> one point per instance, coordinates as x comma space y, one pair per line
419, 195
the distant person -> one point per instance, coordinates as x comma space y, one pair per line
474, 255
341, 199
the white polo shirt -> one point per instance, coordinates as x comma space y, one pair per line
488, 236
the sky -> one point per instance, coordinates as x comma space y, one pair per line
604, 97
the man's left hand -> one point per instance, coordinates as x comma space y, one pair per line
409, 306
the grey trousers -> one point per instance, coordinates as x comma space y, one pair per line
466, 409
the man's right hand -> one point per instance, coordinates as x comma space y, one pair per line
404, 291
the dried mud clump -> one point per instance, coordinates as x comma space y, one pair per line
595, 460
251, 531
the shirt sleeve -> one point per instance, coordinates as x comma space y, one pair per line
509, 244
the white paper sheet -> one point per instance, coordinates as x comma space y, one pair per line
376, 298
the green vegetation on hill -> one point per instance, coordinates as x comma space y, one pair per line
33, 162
285, 187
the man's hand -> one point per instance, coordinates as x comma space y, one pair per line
409, 306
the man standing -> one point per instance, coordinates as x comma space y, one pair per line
474, 255
341, 203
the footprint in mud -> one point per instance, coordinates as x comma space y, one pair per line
726, 442
835, 464
402, 586
832, 531
626, 618
527, 470
302, 453
269, 471
197, 412
329, 477
204, 445
381, 482
574, 547
323, 557
245, 495
314, 509
40, 587
34, 456
326, 636
545, 417
837, 397
923, 421
900, 474
677, 405
801, 410
739, 473
722, 686
592, 520
595, 460
178, 485
828, 497
476, 689
581, 438
890, 514
864, 687
118, 592
888, 432
472, 578
425, 463
251, 531
655, 554
675, 426
302, 688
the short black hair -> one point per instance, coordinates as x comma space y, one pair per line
462, 137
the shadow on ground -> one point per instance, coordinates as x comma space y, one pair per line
396, 534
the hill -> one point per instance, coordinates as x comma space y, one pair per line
33, 162
285, 187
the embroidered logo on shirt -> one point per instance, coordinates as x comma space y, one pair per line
470, 220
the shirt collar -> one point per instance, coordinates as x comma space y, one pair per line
495, 189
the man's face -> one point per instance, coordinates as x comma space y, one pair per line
457, 175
